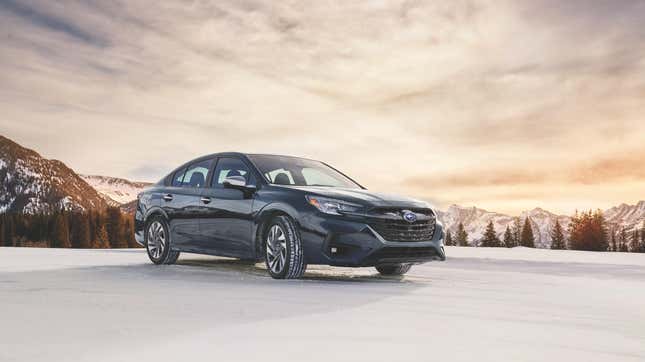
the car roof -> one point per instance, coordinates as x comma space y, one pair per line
242, 154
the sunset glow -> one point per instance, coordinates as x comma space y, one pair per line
506, 105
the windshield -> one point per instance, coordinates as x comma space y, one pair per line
282, 170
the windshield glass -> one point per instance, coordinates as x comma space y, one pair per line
282, 170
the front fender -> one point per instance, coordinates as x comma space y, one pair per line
264, 213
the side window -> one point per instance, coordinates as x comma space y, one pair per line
280, 177
228, 166
196, 174
178, 177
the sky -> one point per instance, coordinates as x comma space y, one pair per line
503, 105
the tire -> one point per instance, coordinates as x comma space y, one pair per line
395, 269
158, 242
284, 256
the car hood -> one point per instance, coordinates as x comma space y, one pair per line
361, 196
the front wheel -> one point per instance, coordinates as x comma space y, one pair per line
284, 256
158, 242
396, 269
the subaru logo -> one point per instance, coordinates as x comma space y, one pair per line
409, 216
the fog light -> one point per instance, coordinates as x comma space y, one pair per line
334, 250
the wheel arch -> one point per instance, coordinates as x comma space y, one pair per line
152, 212
262, 222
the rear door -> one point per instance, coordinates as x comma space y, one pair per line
226, 224
181, 201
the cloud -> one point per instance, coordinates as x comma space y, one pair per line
51, 22
461, 95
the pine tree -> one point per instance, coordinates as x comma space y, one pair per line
600, 240
517, 231
557, 237
115, 228
81, 237
462, 235
588, 231
129, 232
44, 227
508, 238
60, 237
635, 242
613, 246
490, 238
622, 241
2, 217
9, 230
102, 241
448, 240
527, 239
643, 238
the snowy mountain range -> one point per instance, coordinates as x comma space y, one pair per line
626, 216
475, 221
116, 191
30, 183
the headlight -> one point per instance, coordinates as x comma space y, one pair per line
331, 206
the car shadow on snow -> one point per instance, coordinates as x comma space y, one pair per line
318, 273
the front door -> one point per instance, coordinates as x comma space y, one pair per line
226, 224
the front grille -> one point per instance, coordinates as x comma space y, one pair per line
392, 227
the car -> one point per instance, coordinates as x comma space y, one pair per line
288, 211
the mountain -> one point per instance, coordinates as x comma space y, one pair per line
626, 216
542, 222
30, 183
116, 191
475, 221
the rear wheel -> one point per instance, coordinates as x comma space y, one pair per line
284, 256
158, 242
395, 269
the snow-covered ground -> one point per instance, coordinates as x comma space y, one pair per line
480, 305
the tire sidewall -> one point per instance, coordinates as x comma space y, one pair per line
164, 255
294, 252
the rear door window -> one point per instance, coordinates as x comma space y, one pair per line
196, 174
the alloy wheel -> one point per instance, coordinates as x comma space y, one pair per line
276, 249
156, 240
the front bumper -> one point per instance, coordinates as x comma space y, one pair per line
345, 242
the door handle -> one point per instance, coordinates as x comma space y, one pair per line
167, 197
206, 200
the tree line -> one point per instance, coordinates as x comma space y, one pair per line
587, 231
109, 228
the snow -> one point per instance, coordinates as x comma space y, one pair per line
481, 304
120, 190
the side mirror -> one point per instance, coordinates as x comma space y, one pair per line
237, 182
